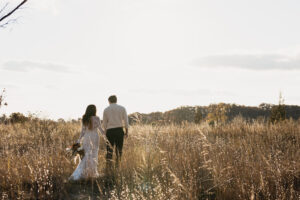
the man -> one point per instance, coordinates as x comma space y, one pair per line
114, 120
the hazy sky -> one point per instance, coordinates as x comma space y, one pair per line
155, 55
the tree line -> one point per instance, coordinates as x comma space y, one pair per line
219, 113
212, 114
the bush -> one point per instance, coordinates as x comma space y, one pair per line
278, 113
18, 118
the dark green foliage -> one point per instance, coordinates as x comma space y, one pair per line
198, 116
278, 113
192, 114
18, 118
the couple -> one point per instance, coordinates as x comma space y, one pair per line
114, 120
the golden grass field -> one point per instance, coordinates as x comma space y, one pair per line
238, 160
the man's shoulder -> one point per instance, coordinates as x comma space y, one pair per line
121, 107
113, 107
107, 108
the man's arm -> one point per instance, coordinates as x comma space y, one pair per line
105, 120
125, 118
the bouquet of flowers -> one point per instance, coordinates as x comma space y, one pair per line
75, 150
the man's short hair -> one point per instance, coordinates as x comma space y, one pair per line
112, 99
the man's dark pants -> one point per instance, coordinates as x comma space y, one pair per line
115, 136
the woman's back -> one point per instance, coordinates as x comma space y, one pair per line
94, 124
90, 134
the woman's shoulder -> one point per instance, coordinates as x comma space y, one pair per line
96, 118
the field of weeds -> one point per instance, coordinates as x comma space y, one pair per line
234, 161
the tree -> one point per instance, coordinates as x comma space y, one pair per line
3, 119
5, 17
18, 118
198, 115
2, 98
278, 112
218, 113
265, 106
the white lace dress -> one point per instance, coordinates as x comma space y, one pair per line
88, 166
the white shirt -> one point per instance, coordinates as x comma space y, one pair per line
115, 116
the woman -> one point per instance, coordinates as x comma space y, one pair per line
87, 168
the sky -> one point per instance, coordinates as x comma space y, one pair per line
155, 55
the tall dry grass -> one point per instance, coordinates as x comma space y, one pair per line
234, 161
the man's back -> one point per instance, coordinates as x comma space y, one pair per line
115, 116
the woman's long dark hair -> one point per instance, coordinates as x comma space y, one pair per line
86, 118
